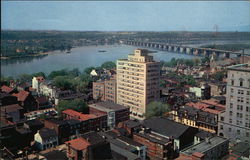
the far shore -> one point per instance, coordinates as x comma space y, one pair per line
24, 56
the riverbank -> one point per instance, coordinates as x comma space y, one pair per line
25, 56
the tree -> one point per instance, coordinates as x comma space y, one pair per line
88, 70
62, 82
76, 104
25, 78
108, 65
219, 75
39, 74
54, 74
156, 108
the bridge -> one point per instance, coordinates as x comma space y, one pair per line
206, 52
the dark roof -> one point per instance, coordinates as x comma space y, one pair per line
47, 133
153, 137
3, 94
107, 106
23, 130
117, 156
11, 108
204, 134
241, 149
42, 100
55, 155
34, 122
132, 123
93, 138
129, 141
165, 127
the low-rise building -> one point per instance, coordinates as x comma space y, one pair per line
90, 122
182, 135
13, 112
158, 145
64, 128
89, 146
115, 113
211, 148
196, 118
36, 81
125, 146
26, 100
7, 99
203, 92
46, 138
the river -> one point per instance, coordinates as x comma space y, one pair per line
81, 58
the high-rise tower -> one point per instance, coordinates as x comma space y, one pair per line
137, 82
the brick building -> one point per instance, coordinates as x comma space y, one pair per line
64, 128
90, 122
105, 90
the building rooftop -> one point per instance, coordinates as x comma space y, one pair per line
78, 144
153, 137
240, 67
11, 108
34, 122
204, 134
78, 115
165, 127
204, 145
93, 138
6, 89
47, 133
107, 106
132, 123
22, 95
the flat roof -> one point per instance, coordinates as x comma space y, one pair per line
204, 146
240, 67
107, 106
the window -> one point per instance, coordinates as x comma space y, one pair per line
232, 82
231, 105
221, 126
241, 82
230, 113
229, 129
230, 120
247, 134
232, 90
238, 132
240, 91
222, 118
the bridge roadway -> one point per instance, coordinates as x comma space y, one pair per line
207, 52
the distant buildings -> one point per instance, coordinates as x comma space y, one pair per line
235, 123
138, 82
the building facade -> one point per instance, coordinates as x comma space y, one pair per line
105, 90
235, 122
115, 113
137, 82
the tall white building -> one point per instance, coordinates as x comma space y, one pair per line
138, 82
235, 122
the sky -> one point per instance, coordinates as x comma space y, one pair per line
126, 15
